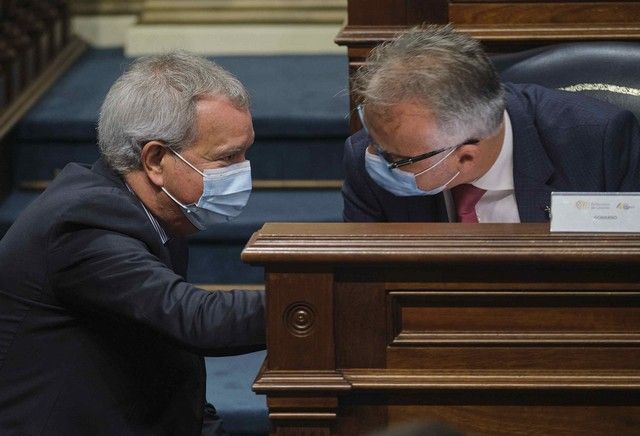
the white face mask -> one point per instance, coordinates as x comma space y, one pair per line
225, 193
399, 182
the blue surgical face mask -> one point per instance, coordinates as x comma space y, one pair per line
225, 193
398, 182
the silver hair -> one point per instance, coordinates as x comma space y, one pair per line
155, 99
442, 69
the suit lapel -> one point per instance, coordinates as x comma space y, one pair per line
424, 209
174, 253
532, 168
179, 255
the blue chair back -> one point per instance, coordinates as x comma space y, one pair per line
609, 71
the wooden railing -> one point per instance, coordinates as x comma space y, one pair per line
35, 47
32, 33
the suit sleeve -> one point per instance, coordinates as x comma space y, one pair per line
359, 201
621, 150
102, 273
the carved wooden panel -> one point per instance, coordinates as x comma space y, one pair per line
530, 13
300, 317
575, 318
568, 417
387, 13
360, 309
497, 329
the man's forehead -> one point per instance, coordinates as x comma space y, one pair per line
406, 108
407, 122
404, 114
222, 128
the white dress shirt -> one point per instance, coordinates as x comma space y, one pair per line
498, 204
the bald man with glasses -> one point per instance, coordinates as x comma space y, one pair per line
444, 140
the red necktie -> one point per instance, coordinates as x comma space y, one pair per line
466, 196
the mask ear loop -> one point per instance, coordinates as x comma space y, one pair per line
451, 179
437, 163
182, 205
185, 161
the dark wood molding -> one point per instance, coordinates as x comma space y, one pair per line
289, 382
419, 243
369, 36
372, 379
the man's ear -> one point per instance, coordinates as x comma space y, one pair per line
154, 161
467, 156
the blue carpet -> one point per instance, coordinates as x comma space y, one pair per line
299, 106
292, 96
229, 381
271, 159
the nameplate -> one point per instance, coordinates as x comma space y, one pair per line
595, 212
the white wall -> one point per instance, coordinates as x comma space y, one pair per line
215, 39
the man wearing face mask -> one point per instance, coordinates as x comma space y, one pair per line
444, 140
100, 334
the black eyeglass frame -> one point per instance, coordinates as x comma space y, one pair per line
406, 160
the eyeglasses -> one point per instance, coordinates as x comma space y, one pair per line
405, 160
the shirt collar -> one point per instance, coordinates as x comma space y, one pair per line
500, 175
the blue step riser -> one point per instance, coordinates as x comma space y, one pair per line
283, 103
273, 159
220, 263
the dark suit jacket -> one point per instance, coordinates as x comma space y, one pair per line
99, 332
561, 142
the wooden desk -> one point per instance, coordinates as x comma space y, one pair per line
497, 329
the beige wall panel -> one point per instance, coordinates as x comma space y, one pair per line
233, 39
105, 7
103, 31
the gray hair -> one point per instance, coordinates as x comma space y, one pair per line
441, 69
155, 99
